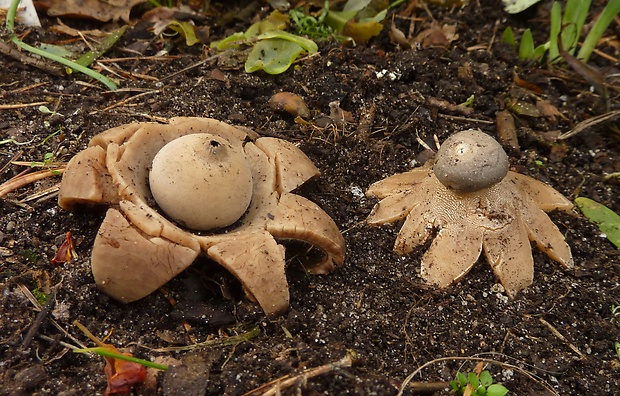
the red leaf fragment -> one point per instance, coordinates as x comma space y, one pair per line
121, 374
66, 251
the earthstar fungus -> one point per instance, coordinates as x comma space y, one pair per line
468, 201
138, 248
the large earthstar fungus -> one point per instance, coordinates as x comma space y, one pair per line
197, 186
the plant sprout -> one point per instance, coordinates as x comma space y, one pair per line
565, 30
480, 385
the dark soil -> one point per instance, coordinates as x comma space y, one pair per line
557, 337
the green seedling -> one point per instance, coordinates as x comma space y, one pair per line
564, 32
607, 220
617, 348
40, 296
359, 20
469, 102
46, 110
309, 25
481, 385
274, 50
615, 312
10, 26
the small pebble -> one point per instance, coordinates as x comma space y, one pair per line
290, 103
10, 226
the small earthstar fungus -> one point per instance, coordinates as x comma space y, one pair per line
192, 186
469, 202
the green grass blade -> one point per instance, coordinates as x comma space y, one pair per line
602, 23
526, 48
105, 352
10, 26
555, 29
508, 37
574, 17
89, 57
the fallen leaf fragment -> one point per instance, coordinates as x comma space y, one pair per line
437, 36
66, 251
101, 10
121, 374
525, 84
607, 220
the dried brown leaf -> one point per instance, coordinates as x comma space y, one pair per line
101, 10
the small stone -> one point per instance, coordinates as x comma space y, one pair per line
10, 226
290, 103
29, 377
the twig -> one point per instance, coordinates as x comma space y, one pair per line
276, 386
195, 65
28, 88
232, 340
125, 101
561, 337
428, 387
15, 158
19, 56
20, 105
23, 180
588, 123
42, 193
36, 304
50, 339
38, 321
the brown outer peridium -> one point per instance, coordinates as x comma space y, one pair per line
113, 171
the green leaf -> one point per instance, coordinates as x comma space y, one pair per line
539, 52
572, 21
526, 49
497, 390
106, 352
473, 380
454, 385
233, 41
186, 30
57, 50
508, 37
517, 6
304, 43
10, 26
274, 56
556, 27
607, 220
485, 378
462, 379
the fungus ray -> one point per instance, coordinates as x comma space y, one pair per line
509, 253
452, 254
546, 234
